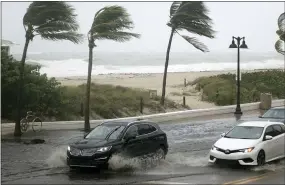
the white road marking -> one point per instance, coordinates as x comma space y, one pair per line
164, 182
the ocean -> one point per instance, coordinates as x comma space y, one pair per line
76, 64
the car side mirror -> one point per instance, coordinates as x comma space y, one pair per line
223, 134
268, 137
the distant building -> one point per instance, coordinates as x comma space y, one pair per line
5, 45
6, 49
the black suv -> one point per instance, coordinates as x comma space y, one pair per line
127, 138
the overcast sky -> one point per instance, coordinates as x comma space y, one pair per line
257, 21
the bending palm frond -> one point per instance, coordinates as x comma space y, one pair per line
281, 22
280, 44
71, 36
192, 17
116, 36
50, 18
112, 20
280, 47
197, 44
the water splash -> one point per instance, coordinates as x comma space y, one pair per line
187, 159
57, 158
272, 166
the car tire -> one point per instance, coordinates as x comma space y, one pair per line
261, 158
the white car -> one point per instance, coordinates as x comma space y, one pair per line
250, 143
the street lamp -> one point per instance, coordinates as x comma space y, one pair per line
238, 46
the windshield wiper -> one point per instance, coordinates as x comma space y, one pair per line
227, 137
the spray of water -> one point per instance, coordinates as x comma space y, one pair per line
153, 165
57, 158
272, 166
187, 159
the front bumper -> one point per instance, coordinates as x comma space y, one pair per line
238, 157
83, 161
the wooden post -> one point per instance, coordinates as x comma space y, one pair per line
141, 105
184, 98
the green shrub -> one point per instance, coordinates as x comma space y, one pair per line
252, 85
56, 102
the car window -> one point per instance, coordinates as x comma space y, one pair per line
116, 133
152, 128
269, 131
283, 128
104, 131
133, 130
144, 129
277, 129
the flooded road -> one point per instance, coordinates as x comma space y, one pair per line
189, 144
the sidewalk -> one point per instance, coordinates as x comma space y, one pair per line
7, 131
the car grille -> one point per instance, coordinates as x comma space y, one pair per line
227, 151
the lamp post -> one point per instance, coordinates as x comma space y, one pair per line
238, 46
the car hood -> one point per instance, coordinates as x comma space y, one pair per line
235, 144
93, 143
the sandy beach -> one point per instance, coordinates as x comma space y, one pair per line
174, 88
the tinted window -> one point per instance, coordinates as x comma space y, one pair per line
117, 133
144, 129
277, 130
245, 132
269, 131
283, 128
152, 128
104, 131
133, 130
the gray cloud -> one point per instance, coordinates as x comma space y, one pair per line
257, 21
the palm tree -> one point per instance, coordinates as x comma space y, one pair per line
109, 23
191, 17
54, 20
280, 44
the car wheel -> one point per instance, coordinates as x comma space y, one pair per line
261, 158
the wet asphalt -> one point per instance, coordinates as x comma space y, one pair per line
186, 162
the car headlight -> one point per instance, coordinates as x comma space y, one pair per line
104, 149
68, 148
214, 148
247, 150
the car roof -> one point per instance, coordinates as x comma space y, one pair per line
128, 122
258, 123
278, 108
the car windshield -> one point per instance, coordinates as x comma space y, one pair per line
106, 132
245, 132
275, 113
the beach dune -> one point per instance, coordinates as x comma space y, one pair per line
174, 87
